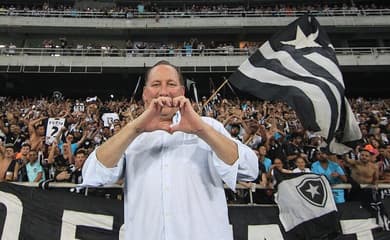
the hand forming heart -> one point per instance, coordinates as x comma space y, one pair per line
159, 114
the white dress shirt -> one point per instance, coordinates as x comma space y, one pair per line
174, 185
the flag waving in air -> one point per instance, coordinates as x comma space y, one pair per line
299, 66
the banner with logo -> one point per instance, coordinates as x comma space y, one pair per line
32, 213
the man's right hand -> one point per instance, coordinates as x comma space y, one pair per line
158, 115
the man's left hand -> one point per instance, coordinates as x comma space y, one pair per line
190, 121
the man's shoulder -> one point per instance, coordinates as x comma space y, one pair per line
315, 164
334, 164
210, 120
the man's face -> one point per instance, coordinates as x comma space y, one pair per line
79, 160
69, 138
365, 156
278, 163
32, 156
9, 153
300, 162
24, 150
41, 130
15, 128
323, 157
163, 81
106, 132
234, 131
263, 150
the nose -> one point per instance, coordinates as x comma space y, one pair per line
164, 91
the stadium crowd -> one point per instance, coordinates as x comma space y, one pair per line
152, 9
129, 48
44, 138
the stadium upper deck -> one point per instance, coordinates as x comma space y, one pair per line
360, 33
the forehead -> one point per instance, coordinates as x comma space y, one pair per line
163, 72
365, 153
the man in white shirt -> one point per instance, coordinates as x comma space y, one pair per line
175, 165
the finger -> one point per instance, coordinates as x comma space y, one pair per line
160, 102
176, 101
180, 101
155, 105
167, 101
183, 102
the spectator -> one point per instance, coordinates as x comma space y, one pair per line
69, 141
73, 173
276, 166
22, 159
11, 49
364, 170
15, 136
35, 172
233, 124
384, 170
312, 148
58, 162
8, 164
263, 159
300, 162
332, 171
37, 131
294, 149
251, 137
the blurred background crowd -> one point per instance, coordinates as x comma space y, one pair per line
50, 138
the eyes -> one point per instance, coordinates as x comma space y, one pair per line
157, 84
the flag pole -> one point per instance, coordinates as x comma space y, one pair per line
216, 91
135, 90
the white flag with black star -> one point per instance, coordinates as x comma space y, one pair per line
299, 66
306, 205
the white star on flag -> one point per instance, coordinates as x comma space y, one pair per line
303, 41
312, 190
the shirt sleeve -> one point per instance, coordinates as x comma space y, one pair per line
96, 174
244, 169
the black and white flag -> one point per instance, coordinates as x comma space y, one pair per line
307, 209
299, 66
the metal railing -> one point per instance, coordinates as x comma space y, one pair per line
113, 52
129, 14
